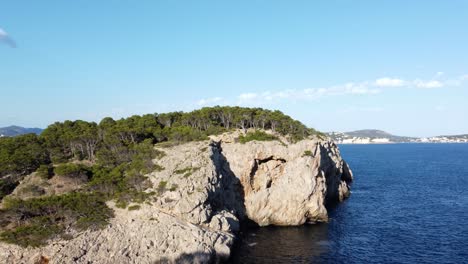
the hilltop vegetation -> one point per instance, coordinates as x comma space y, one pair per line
110, 160
114, 142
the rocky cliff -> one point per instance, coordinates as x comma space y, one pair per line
202, 193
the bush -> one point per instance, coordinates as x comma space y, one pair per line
158, 167
36, 220
182, 171
7, 186
173, 187
73, 170
257, 135
187, 171
45, 171
162, 186
307, 153
33, 235
134, 207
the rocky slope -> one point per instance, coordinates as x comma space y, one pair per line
202, 193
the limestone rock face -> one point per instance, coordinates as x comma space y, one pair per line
289, 184
141, 236
202, 191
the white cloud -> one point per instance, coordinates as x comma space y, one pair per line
5, 38
209, 101
389, 82
306, 94
354, 109
364, 88
418, 83
439, 74
248, 96
428, 84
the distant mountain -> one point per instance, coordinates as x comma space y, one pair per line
12, 131
456, 136
373, 133
369, 136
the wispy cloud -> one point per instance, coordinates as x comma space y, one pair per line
363, 88
395, 82
428, 84
209, 101
6, 39
357, 109
306, 94
389, 82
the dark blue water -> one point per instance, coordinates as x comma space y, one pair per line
409, 204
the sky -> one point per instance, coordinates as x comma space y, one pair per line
398, 66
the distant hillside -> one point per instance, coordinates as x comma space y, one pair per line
12, 131
368, 136
373, 133
456, 136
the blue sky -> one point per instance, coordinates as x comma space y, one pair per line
399, 66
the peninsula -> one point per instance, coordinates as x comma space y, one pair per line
164, 188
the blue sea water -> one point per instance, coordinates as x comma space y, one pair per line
409, 204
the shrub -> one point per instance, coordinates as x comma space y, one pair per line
162, 186
256, 135
33, 235
186, 171
158, 154
158, 167
182, 171
36, 220
73, 170
307, 153
173, 187
45, 171
134, 207
119, 184
7, 186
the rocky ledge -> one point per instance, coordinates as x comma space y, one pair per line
203, 192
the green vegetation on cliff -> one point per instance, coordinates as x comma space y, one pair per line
114, 142
256, 135
32, 222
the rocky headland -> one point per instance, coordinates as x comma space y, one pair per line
202, 194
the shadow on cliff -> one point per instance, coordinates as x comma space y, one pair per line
231, 195
334, 175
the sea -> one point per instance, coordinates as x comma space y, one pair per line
409, 204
